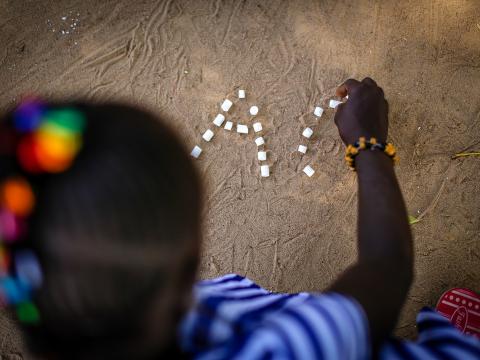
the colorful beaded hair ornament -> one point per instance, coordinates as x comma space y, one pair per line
37, 141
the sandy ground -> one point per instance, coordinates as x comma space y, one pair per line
287, 232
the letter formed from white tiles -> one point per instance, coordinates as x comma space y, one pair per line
226, 105
307, 133
318, 111
262, 155
259, 141
309, 171
228, 125
334, 103
241, 94
254, 110
219, 119
207, 135
242, 129
302, 149
257, 127
196, 151
265, 170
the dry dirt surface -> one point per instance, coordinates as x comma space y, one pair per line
287, 232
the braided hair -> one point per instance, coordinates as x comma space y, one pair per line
110, 239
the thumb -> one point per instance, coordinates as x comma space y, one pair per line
347, 87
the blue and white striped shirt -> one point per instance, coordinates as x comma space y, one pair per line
233, 318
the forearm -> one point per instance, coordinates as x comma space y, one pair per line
382, 275
383, 230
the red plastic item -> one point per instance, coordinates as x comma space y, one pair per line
462, 307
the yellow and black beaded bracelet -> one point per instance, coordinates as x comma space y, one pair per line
362, 144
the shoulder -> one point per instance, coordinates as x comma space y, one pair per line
437, 339
234, 315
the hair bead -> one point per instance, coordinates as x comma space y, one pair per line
42, 140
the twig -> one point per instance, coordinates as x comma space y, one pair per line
464, 154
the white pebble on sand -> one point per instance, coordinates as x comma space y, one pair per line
254, 110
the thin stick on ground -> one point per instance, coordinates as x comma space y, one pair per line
465, 154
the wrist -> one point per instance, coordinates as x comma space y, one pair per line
372, 145
368, 161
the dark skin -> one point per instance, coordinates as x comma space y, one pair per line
383, 273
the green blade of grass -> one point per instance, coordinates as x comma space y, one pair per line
412, 220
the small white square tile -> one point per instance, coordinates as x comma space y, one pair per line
265, 170
219, 119
318, 111
242, 129
226, 105
334, 103
302, 149
207, 135
257, 127
307, 133
196, 152
228, 125
309, 171
259, 141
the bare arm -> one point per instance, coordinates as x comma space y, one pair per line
382, 275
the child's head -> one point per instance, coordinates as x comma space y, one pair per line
117, 235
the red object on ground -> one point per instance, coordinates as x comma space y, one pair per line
462, 307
